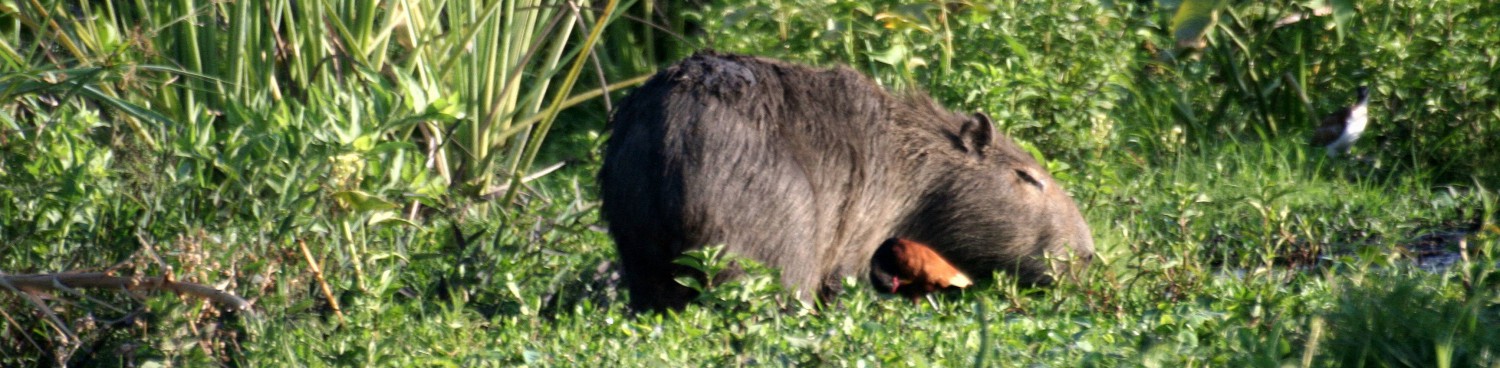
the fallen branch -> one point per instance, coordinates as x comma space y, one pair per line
100, 280
57, 323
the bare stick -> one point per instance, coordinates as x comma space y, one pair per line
318, 273
57, 323
81, 295
100, 280
151, 251
496, 192
18, 327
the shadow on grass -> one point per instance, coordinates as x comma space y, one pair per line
1413, 322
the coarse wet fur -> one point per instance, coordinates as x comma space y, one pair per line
808, 171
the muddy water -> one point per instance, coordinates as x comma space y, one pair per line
1438, 251
1434, 252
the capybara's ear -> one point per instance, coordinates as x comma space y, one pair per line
976, 134
983, 118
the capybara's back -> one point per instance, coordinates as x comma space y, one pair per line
808, 171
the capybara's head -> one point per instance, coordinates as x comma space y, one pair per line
988, 205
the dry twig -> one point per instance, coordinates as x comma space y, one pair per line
318, 273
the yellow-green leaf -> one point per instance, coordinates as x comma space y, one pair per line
1193, 20
361, 201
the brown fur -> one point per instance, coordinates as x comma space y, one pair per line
808, 171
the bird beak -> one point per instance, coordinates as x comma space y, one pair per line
931, 301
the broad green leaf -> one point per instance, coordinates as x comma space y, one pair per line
362, 201
1193, 20
891, 56
1343, 12
390, 218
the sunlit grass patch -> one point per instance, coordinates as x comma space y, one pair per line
212, 140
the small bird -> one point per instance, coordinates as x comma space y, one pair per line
1340, 129
913, 269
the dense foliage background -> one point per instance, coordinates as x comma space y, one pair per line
410, 182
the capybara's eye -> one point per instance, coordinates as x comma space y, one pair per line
1026, 176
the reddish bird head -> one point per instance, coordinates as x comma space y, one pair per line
913, 269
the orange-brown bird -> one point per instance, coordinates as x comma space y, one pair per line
913, 269
1340, 129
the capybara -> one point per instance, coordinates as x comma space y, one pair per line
808, 171
913, 269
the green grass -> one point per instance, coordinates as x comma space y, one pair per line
212, 139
